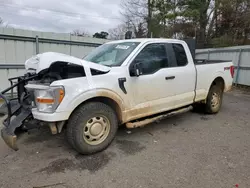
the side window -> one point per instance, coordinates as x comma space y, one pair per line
152, 58
180, 55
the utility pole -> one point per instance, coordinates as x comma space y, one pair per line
174, 19
149, 18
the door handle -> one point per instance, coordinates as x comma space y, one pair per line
170, 78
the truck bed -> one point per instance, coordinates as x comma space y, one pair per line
208, 70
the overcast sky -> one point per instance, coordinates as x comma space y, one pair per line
61, 15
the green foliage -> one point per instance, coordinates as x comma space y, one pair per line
101, 35
211, 22
222, 41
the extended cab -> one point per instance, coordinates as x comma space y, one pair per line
131, 82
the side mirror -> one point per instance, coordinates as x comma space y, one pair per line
136, 70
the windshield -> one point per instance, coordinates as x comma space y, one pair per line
112, 54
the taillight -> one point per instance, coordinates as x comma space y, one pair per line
232, 71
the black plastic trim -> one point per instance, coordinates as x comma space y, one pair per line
121, 82
206, 61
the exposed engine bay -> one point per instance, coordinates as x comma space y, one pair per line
59, 71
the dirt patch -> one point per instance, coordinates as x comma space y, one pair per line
59, 166
92, 163
243, 88
38, 135
129, 147
205, 118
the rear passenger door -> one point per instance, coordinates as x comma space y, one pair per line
185, 75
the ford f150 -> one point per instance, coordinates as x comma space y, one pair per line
131, 82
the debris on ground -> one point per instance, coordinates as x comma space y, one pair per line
51, 185
129, 132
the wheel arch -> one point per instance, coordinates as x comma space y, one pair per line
219, 81
107, 97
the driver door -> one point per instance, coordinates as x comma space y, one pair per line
153, 90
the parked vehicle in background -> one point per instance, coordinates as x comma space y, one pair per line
131, 82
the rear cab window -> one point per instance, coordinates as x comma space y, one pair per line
180, 54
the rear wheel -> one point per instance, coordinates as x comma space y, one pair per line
214, 99
92, 127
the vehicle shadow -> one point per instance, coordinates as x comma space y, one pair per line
44, 136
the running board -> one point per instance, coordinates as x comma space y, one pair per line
144, 122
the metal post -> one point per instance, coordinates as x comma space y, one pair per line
208, 55
11, 84
70, 44
37, 45
238, 67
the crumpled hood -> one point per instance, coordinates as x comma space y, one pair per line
43, 61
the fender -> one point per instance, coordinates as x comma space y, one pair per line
99, 92
216, 75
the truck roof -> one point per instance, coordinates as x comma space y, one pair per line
144, 40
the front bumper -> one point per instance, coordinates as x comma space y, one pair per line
15, 109
53, 117
8, 132
10, 140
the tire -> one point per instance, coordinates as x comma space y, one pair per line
69, 136
92, 127
214, 99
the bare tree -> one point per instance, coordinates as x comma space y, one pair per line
134, 9
3, 23
118, 32
140, 31
137, 13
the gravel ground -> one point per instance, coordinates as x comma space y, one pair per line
189, 150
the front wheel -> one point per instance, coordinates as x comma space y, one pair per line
214, 99
92, 127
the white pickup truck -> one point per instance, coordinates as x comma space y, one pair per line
131, 82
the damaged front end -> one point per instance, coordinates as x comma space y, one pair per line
35, 92
17, 109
